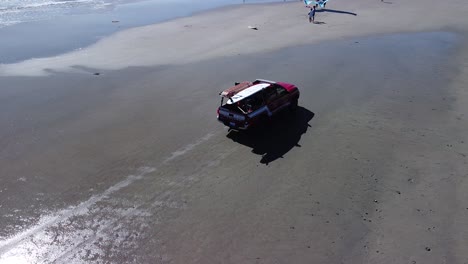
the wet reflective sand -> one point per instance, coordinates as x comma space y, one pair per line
131, 166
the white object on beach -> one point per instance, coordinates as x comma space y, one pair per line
252, 27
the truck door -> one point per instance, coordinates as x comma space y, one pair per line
271, 99
282, 97
277, 97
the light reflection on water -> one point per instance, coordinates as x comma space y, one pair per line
42, 28
18, 11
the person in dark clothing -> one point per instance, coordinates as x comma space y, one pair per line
312, 15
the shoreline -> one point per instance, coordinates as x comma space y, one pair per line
165, 43
88, 28
113, 154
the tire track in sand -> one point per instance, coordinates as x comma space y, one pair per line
34, 244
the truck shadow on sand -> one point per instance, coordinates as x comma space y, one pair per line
276, 137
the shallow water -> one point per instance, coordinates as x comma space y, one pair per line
41, 28
19, 11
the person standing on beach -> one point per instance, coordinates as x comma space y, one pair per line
312, 15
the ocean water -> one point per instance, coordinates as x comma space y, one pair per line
18, 11
41, 28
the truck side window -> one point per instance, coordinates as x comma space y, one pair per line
270, 94
280, 90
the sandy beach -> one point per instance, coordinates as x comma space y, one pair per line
113, 154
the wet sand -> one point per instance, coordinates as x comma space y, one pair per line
131, 166
46, 30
